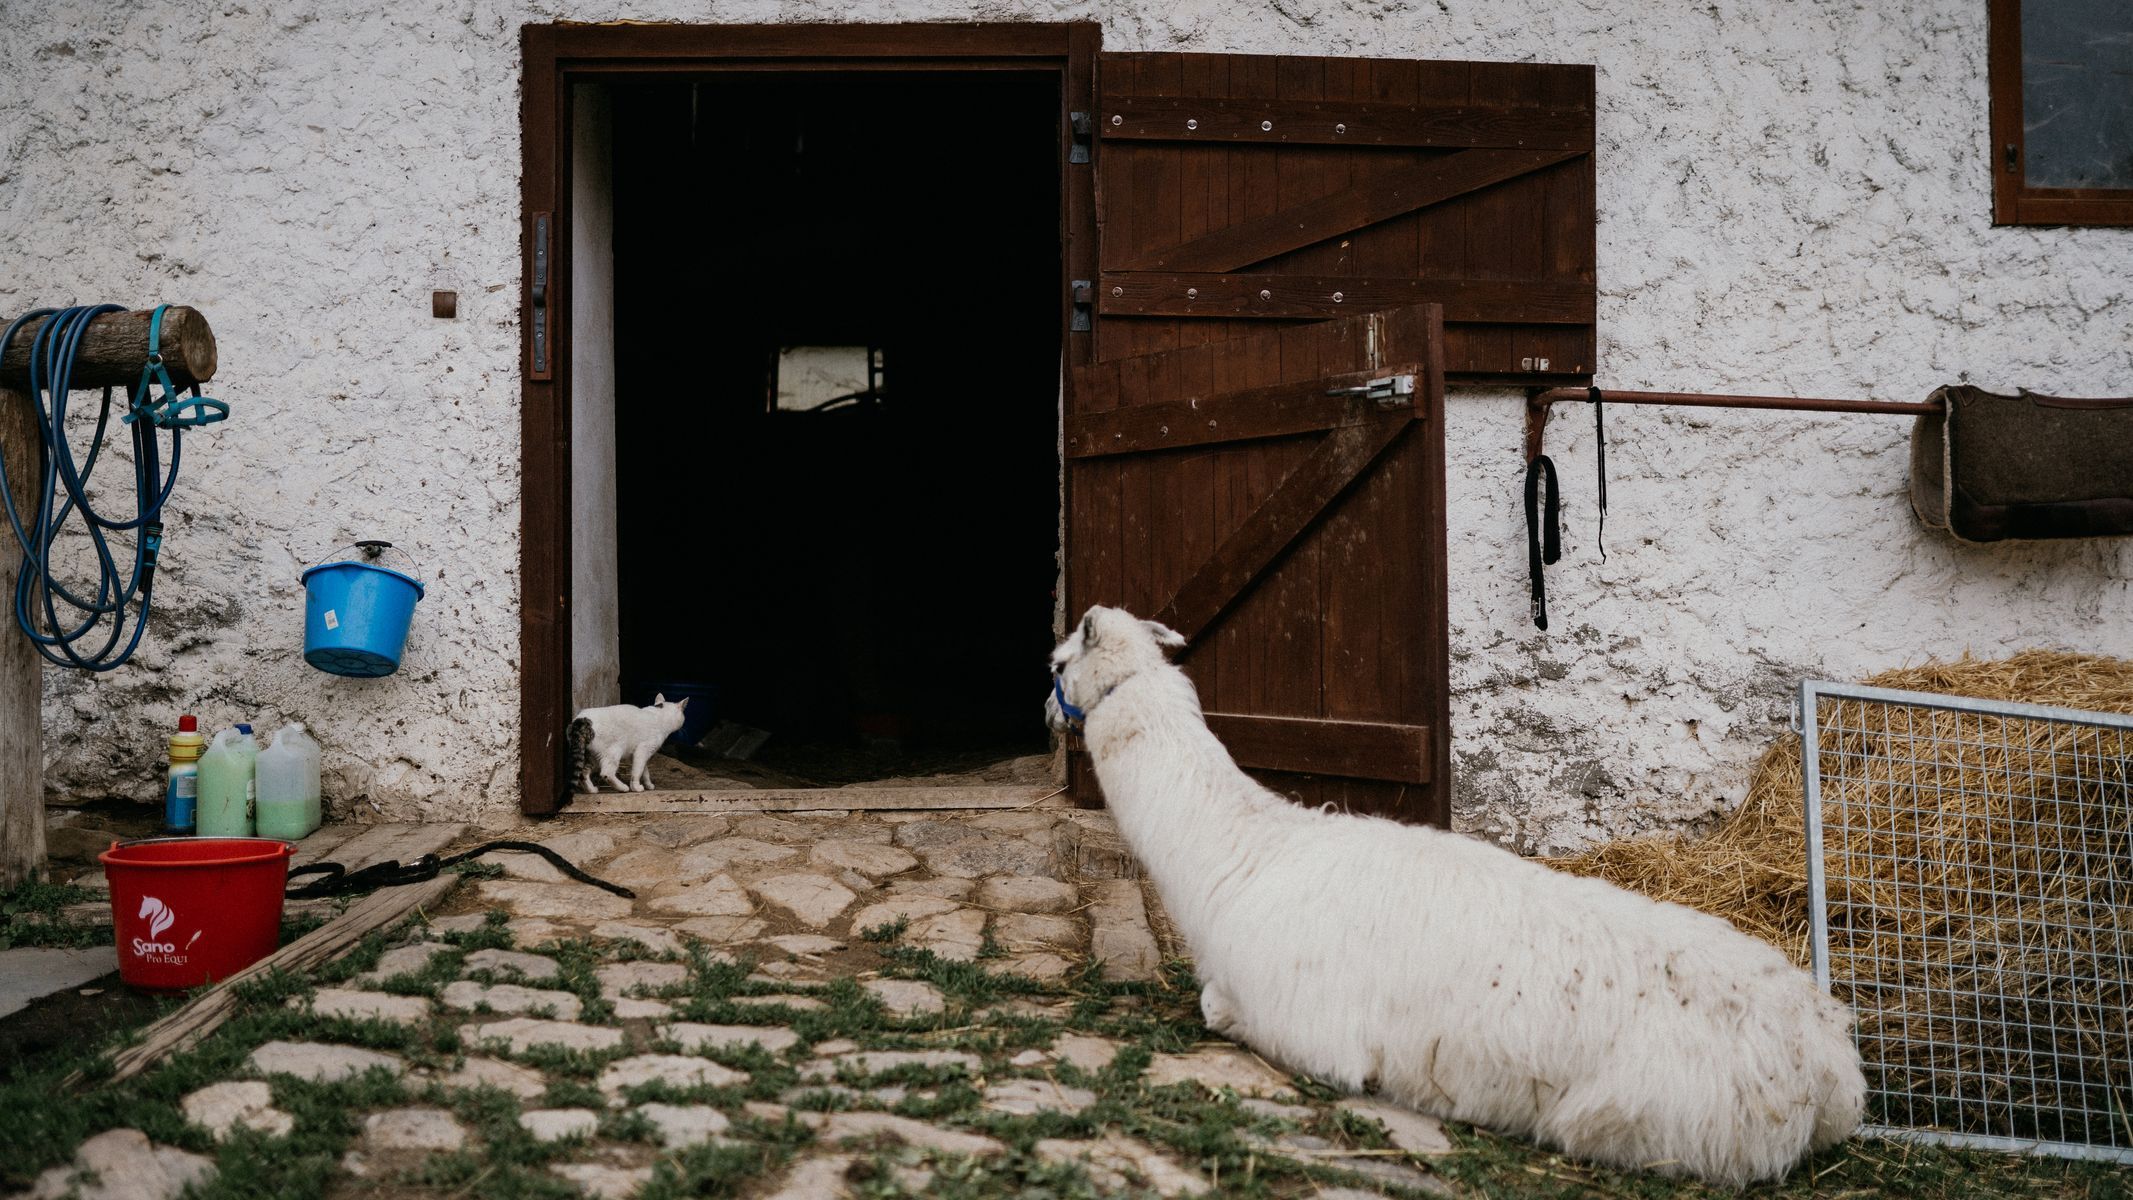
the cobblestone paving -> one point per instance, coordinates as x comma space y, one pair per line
794, 1006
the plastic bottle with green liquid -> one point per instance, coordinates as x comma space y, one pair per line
228, 791
288, 806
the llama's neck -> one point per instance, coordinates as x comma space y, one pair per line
1179, 800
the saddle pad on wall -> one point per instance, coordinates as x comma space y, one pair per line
1987, 468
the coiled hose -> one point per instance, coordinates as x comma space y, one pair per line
58, 619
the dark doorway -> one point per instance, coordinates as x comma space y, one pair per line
866, 570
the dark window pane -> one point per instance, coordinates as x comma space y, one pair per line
2077, 93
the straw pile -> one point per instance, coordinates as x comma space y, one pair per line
1980, 892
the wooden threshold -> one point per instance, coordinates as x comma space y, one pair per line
811, 799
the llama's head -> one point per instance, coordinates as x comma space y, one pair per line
1110, 646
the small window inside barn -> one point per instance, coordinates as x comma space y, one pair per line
2062, 112
817, 377
837, 352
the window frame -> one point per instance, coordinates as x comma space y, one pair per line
2014, 201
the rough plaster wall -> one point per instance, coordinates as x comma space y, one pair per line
1793, 198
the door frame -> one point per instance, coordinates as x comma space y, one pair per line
558, 56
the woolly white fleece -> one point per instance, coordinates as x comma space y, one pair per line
1448, 974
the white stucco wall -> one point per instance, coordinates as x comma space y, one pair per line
1793, 198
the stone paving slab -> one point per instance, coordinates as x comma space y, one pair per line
523, 1082
678, 1070
466, 995
320, 1062
365, 1006
1115, 1163
223, 1108
30, 973
122, 1164
691, 1036
557, 1124
524, 1033
534, 968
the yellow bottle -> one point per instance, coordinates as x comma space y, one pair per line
181, 793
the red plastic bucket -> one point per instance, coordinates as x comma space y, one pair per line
190, 910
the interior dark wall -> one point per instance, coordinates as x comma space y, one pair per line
889, 565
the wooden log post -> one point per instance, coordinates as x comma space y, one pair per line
21, 669
115, 345
113, 348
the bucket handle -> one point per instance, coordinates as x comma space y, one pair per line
371, 549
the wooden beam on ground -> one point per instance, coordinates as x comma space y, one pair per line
21, 668
115, 345
187, 1026
811, 799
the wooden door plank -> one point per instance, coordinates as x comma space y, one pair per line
1247, 477
1536, 301
1345, 749
1343, 123
1284, 409
1286, 656
1352, 208
1246, 554
1503, 224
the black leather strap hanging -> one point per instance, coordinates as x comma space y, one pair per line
1544, 539
1599, 437
340, 881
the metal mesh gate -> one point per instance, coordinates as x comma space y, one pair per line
1971, 868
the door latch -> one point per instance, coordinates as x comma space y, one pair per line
1084, 297
1393, 391
538, 294
1084, 131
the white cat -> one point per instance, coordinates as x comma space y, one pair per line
606, 735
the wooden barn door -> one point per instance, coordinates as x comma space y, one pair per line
1249, 210
1279, 499
1238, 189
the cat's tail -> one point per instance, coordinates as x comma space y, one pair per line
579, 738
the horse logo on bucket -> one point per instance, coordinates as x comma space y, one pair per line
160, 918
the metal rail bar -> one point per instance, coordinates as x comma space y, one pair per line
1538, 402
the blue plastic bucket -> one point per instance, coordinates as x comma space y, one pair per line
356, 617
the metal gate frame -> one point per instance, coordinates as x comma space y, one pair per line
1808, 718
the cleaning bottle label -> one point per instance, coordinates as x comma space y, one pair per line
180, 802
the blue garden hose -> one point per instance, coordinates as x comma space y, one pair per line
63, 491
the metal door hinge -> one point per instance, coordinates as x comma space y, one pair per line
1393, 391
1084, 297
1084, 131
538, 294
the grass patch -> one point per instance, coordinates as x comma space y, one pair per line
29, 916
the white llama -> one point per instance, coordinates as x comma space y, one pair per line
1448, 974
